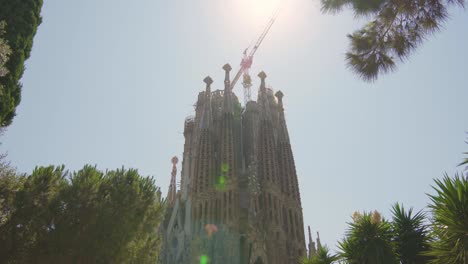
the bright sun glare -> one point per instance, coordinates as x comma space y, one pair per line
258, 11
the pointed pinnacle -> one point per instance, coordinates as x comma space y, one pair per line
208, 80
262, 75
279, 95
227, 67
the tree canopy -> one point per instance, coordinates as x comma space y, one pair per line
397, 28
22, 18
89, 216
368, 240
5, 51
410, 235
449, 208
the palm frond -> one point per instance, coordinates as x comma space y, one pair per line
368, 240
450, 220
411, 234
465, 161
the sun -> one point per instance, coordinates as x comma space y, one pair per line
258, 11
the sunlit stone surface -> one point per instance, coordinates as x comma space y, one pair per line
239, 198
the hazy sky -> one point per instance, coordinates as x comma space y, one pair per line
110, 83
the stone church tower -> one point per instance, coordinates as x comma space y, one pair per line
239, 200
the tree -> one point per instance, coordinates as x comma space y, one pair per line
450, 221
32, 216
396, 29
410, 235
368, 240
8, 187
87, 216
22, 18
5, 52
323, 256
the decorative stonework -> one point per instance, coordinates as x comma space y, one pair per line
239, 200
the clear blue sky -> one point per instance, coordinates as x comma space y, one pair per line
110, 82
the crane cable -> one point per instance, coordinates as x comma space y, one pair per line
265, 31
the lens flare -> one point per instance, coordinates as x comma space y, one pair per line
203, 259
222, 180
220, 183
211, 229
224, 167
256, 12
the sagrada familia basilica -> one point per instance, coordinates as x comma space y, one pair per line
239, 199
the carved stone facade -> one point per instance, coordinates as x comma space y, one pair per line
239, 199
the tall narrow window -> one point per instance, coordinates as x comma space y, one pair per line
205, 216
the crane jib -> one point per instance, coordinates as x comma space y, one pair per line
252, 52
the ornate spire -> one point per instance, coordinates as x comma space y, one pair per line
280, 96
208, 82
171, 196
263, 99
227, 89
262, 76
227, 81
312, 249
284, 135
310, 235
319, 245
206, 117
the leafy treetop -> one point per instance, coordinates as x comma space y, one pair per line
397, 28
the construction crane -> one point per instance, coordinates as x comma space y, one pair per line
247, 59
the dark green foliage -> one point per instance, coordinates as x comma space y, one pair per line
89, 216
410, 235
5, 52
407, 238
465, 162
9, 185
22, 18
450, 221
361, 7
396, 29
323, 256
368, 240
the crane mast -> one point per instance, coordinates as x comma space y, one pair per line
247, 59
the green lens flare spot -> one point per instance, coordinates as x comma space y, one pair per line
220, 183
224, 167
221, 180
203, 259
